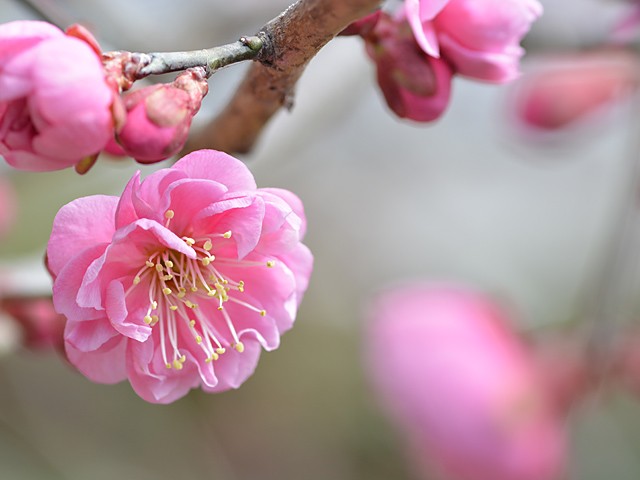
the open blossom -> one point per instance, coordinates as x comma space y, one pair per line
415, 85
181, 281
159, 117
479, 38
462, 387
55, 105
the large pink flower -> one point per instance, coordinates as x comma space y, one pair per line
181, 281
54, 101
462, 386
480, 38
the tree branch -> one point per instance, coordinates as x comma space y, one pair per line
290, 41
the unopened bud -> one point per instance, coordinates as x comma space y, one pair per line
159, 117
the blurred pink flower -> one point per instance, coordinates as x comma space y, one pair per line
181, 281
415, 85
479, 38
159, 117
40, 324
567, 89
55, 105
462, 386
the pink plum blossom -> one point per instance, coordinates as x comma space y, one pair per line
479, 38
415, 85
55, 105
567, 89
159, 117
181, 281
462, 386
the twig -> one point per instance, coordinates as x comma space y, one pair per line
212, 58
291, 40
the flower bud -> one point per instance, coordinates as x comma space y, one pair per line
415, 85
159, 117
41, 326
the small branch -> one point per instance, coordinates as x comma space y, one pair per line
291, 40
212, 58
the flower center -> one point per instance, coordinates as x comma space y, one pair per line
177, 284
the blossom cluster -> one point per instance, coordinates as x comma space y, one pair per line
61, 103
418, 50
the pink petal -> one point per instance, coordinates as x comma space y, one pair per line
143, 367
80, 224
128, 324
105, 365
233, 368
219, 167
68, 282
90, 335
423, 30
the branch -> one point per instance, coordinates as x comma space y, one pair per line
290, 40
212, 58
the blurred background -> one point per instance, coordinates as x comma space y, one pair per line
471, 199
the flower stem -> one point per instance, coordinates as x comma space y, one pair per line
211, 59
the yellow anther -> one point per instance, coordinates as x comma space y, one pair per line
211, 293
192, 323
177, 365
154, 305
263, 313
166, 278
183, 359
168, 365
271, 263
136, 280
194, 289
207, 245
214, 356
189, 241
220, 307
149, 263
198, 339
206, 261
159, 267
188, 304
166, 291
181, 294
169, 214
148, 319
173, 308
154, 319
168, 264
227, 234
239, 347
220, 350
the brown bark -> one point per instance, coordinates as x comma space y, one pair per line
291, 40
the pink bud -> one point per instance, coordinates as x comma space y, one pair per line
415, 85
462, 386
41, 325
159, 117
567, 89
